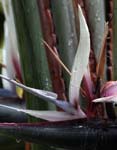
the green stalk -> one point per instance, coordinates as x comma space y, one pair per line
32, 53
95, 11
64, 19
115, 40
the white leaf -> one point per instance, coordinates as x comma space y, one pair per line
109, 99
36, 92
10, 49
45, 95
46, 115
81, 60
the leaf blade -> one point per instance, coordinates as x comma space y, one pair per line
80, 62
45, 95
108, 99
46, 115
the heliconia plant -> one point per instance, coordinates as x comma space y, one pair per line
71, 123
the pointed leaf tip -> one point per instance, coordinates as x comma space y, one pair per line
45, 95
46, 115
109, 99
36, 92
81, 60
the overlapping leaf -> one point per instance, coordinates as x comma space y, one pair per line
78, 70
81, 61
109, 99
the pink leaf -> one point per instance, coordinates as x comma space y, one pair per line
109, 99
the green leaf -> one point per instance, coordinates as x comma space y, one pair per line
65, 28
32, 53
95, 11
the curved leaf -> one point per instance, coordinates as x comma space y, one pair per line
46, 115
81, 61
109, 99
45, 95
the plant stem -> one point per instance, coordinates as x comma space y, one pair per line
95, 11
64, 19
32, 53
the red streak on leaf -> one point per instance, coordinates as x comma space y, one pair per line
102, 58
109, 17
17, 68
50, 38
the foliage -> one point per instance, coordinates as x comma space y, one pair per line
49, 42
